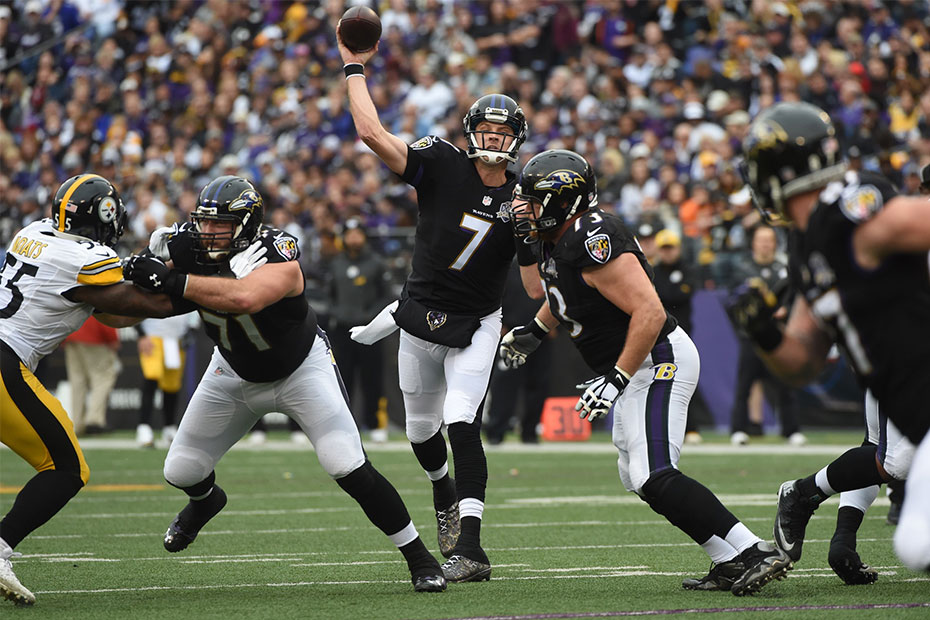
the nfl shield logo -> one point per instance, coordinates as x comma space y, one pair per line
486, 201
435, 319
598, 247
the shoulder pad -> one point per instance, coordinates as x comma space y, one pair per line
101, 267
860, 201
282, 246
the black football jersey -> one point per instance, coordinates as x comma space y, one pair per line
881, 317
596, 325
265, 346
463, 248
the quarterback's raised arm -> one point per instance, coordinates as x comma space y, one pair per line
391, 149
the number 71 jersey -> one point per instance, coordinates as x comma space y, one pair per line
40, 268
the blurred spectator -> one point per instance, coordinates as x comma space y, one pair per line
764, 263
528, 384
92, 366
358, 291
163, 96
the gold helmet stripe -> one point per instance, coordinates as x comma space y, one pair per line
67, 197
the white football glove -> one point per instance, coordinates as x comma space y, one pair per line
600, 394
248, 260
520, 342
158, 242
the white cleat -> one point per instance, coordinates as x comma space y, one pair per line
10, 587
257, 438
145, 437
797, 439
739, 438
379, 435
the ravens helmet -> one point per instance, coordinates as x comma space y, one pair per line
561, 183
89, 206
791, 149
494, 109
227, 199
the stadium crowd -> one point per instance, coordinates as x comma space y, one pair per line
161, 97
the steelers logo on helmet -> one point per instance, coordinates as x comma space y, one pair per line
107, 209
88, 205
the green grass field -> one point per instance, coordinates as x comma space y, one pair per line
565, 540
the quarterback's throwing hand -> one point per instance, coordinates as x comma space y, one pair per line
153, 275
248, 260
600, 393
752, 310
520, 342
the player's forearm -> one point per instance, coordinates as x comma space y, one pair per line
644, 329
221, 294
544, 315
364, 114
795, 361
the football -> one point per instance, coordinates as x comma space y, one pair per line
360, 29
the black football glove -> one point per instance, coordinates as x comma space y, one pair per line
752, 309
153, 275
601, 393
520, 342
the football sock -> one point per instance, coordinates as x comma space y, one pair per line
169, 407
39, 500
688, 505
848, 520
198, 512
860, 498
719, 550
854, 469
471, 465
431, 453
378, 499
469, 543
148, 401
896, 491
444, 493
419, 559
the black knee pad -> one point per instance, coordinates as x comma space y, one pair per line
471, 466
201, 488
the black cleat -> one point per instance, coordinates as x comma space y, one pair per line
459, 569
894, 513
429, 583
448, 527
720, 577
791, 519
846, 563
763, 564
176, 539
182, 532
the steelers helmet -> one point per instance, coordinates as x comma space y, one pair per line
494, 109
227, 199
791, 149
89, 206
562, 183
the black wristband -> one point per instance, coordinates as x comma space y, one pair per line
176, 283
769, 338
354, 68
536, 329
